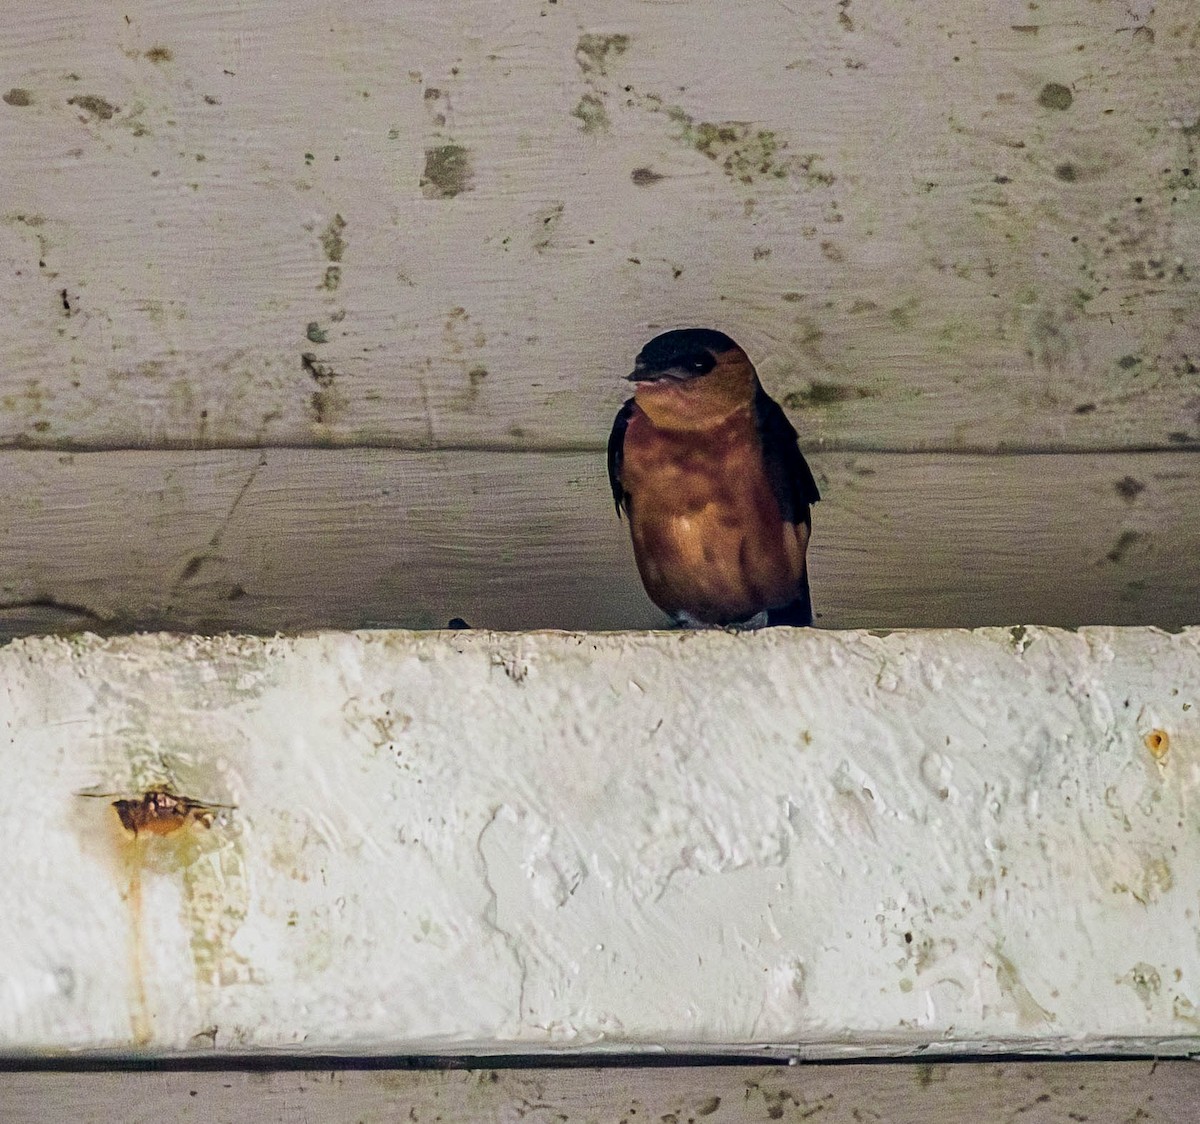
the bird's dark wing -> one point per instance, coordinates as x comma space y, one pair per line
616, 449
791, 478
794, 487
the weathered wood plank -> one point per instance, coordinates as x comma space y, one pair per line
1032, 1092
289, 539
961, 224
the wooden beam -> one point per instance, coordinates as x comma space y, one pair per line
293, 539
962, 225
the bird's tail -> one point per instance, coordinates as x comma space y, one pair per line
797, 613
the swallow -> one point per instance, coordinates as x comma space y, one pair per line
706, 467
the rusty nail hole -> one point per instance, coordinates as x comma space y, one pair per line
1157, 743
159, 811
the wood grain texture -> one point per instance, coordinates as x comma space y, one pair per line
962, 224
295, 539
1032, 1092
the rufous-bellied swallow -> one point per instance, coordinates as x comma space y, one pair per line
705, 465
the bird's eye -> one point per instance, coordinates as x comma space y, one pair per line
698, 364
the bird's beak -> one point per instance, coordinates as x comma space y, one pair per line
641, 374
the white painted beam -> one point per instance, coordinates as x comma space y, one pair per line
824, 843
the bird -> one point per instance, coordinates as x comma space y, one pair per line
707, 469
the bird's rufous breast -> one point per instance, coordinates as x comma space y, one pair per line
708, 533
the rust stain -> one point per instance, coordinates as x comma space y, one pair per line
139, 1016
1157, 742
159, 832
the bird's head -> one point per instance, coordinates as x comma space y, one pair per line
692, 376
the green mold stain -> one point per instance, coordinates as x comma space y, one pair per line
18, 97
331, 238
447, 171
591, 112
1054, 95
332, 279
315, 333
645, 177
903, 315
955, 334
820, 394
743, 151
592, 51
216, 895
99, 108
1185, 182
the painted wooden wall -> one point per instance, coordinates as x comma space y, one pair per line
358, 283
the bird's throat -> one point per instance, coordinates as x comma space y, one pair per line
699, 403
